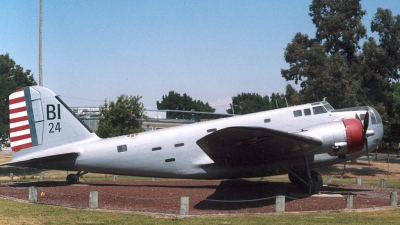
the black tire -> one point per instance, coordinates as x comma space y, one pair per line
316, 183
72, 179
294, 180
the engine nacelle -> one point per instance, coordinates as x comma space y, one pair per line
339, 137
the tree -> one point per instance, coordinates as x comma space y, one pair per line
325, 64
292, 96
392, 132
176, 101
121, 117
339, 26
245, 103
277, 101
381, 61
331, 64
12, 77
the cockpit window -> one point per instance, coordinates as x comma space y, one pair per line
319, 110
373, 118
378, 117
328, 106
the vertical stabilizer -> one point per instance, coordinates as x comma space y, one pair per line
39, 117
22, 132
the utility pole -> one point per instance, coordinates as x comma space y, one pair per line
40, 45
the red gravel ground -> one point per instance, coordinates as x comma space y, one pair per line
206, 197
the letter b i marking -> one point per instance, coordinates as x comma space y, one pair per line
52, 112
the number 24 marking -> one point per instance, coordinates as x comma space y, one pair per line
54, 127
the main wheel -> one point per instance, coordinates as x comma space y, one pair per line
72, 179
314, 185
294, 180
317, 182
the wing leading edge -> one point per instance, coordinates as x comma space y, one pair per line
253, 145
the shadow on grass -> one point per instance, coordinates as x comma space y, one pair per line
253, 194
240, 194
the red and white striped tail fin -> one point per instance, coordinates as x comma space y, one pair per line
39, 119
21, 134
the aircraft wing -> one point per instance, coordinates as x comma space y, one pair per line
55, 161
252, 145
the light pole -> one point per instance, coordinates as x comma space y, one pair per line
40, 45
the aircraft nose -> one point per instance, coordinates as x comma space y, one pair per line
377, 127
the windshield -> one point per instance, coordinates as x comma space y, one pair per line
328, 106
318, 110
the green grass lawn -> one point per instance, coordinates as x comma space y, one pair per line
16, 212
13, 212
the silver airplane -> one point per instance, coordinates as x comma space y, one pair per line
45, 134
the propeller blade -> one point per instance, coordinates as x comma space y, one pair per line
366, 149
366, 122
365, 128
343, 171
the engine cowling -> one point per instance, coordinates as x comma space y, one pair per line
347, 137
354, 133
339, 137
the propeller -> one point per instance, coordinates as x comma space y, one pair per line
365, 128
365, 135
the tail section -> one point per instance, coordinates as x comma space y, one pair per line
22, 132
39, 117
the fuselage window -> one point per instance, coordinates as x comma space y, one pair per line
122, 148
267, 120
179, 145
297, 113
170, 160
319, 110
307, 112
156, 149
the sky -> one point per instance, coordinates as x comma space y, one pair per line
211, 50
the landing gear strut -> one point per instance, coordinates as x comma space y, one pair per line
308, 181
74, 178
307, 184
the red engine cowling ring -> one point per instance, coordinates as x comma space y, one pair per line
354, 133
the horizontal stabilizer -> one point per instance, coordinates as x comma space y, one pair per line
61, 162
